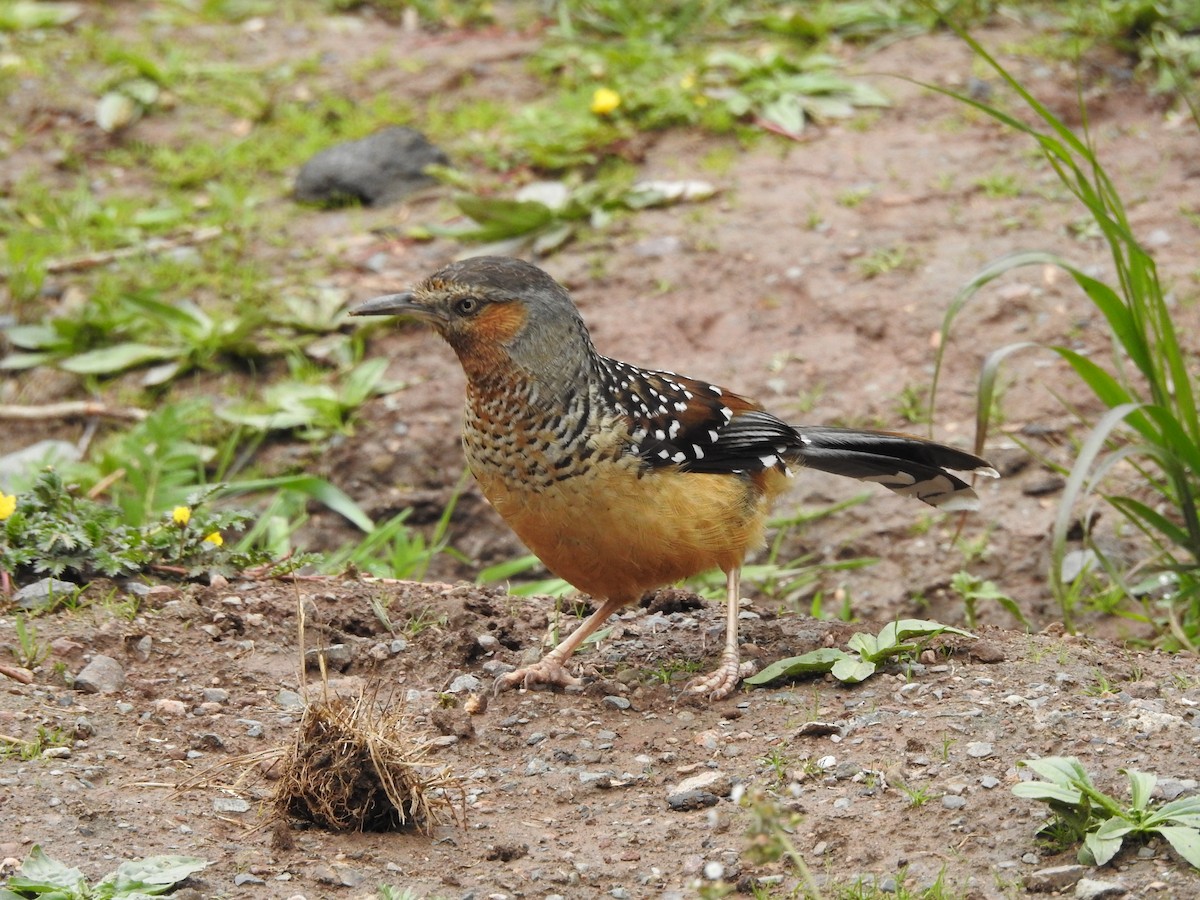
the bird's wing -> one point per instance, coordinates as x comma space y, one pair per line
678, 421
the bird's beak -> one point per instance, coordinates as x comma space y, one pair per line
401, 304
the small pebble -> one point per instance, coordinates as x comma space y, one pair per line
231, 805
168, 707
617, 702
953, 801
464, 683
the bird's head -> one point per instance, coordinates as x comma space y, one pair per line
498, 314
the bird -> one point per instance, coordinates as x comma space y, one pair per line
621, 479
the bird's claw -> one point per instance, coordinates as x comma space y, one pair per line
724, 680
547, 671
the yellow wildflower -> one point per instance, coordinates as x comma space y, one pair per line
687, 82
181, 515
8, 503
215, 539
605, 101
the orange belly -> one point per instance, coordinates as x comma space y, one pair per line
614, 535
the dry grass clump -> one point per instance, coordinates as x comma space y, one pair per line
355, 768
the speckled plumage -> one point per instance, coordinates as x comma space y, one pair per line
622, 479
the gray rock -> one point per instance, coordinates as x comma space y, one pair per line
22, 465
338, 657
952, 801
43, 594
688, 800
216, 695
714, 781
979, 749
464, 683
1055, 878
494, 668
488, 643
1090, 889
246, 878
103, 675
617, 702
379, 169
290, 700
231, 806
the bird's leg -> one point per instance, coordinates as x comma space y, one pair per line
550, 669
722, 682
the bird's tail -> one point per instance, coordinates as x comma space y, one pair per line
907, 465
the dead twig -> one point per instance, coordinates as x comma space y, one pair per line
71, 409
86, 261
16, 673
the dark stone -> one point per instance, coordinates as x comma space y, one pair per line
379, 169
688, 800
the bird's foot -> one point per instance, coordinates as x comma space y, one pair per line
546, 671
722, 682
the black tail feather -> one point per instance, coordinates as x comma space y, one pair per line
907, 465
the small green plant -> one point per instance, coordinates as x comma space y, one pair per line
947, 745
973, 589
999, 184
779, 764
913, 405
389, 892
43, 876
29, 650
666, 671
867, 653
422, 620
1100, 685
45, 739
1081, 812
309, 405
888, 259
917, 797
55, 530
548, 214
769, 836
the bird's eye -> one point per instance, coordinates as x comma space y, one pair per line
467, 306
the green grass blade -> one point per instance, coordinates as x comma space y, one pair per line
317, 488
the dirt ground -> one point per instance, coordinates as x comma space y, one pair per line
575, 793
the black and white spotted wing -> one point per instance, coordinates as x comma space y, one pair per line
679, 421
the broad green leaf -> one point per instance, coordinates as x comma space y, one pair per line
41, 874
909, 628
1047, 792
16, 361
117, 358
499, 218
1062, 770
863, 643
150, 876
1141, 786
25, 15
819, 660
1183, 811
33, 337
853, 671
1101, 848
1184, 840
